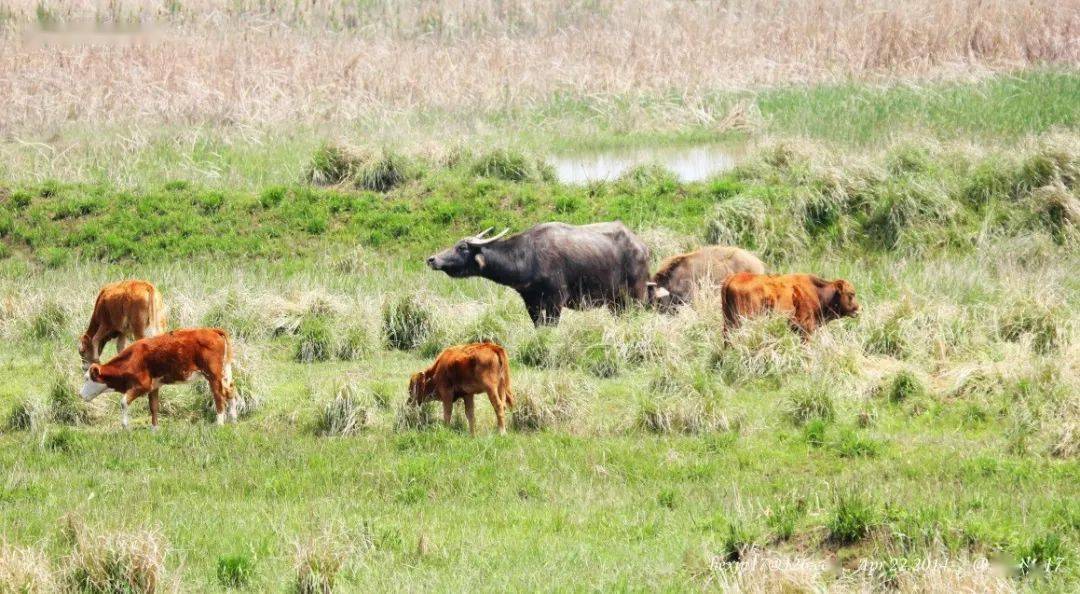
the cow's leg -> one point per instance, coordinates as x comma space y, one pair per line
217, 388
447, 398
154, 402
470, 413
497, 404
97, 342
121, 343
125, 402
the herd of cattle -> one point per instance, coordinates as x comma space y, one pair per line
552, 266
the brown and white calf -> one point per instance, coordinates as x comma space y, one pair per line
462, 371
171, 358
126, 309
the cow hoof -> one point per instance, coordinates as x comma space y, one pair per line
153, 428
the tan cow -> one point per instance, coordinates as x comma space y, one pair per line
679, 277
130, 309
171, 358
462, 371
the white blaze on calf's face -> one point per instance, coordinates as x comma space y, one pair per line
91, 389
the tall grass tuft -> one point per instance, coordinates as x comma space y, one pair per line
25, 571
1043, 324
329, 165
380, 171
406, 323
66, 407
235, 571
549, 402
117, 562
537, 349
411, 417
27, 414
903, 386
318, 561
356, 342
512, 166
315, 339
851, 518
809, 401
353, 408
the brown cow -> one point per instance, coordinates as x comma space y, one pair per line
462, 371
127, 309
171, 358
680, 276
808, 300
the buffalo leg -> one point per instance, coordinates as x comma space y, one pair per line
154, 402
470, 413
536, 312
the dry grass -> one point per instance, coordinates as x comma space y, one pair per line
237, 63
769, 572
25, 571
119, 562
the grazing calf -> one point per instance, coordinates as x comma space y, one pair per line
462, 371
170, 358
679, 277
808, 301
127, 309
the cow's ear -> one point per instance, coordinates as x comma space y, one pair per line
830, 295
95, 373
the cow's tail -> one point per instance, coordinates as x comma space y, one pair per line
154, 307
157, 311
504, 378
226, 362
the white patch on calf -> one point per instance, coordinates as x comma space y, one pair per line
91, 389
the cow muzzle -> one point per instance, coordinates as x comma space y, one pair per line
91, 390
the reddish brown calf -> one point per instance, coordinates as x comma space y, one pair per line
462, 371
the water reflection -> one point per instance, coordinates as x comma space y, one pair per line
692, 163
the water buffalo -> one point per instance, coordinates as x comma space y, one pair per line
555, 265
680, 276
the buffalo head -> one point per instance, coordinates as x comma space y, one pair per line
463, 259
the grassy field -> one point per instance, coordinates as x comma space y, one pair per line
711, 466
282, 170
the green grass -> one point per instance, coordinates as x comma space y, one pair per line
784, 201
647, 451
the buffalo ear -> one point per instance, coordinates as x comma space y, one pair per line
479, 260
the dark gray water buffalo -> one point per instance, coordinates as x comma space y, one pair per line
680, 276
555, 265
